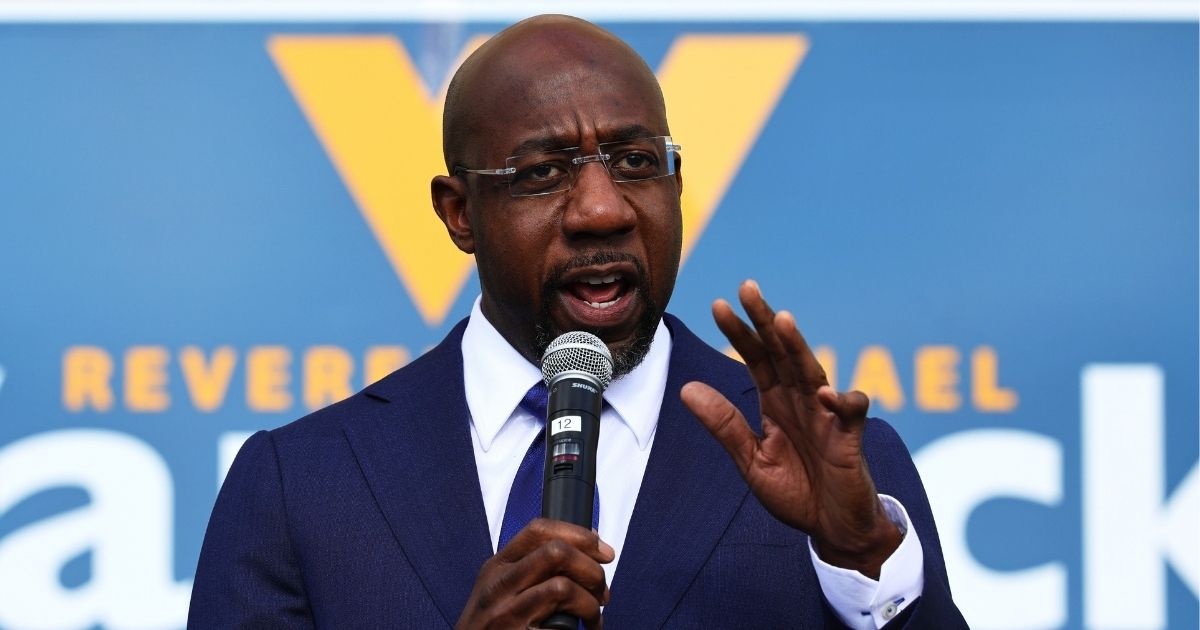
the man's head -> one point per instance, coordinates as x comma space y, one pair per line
601, 256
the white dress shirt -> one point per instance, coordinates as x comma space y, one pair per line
496, 378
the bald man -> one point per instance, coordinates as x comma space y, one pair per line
729, 495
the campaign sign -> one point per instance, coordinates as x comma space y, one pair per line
209, 228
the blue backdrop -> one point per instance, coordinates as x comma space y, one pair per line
990, 227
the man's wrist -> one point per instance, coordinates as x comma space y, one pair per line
866, 604
868, 551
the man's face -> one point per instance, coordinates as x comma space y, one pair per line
601, 257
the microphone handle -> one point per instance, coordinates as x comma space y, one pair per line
569, 477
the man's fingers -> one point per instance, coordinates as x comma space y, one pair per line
541, 530
553, 566
763, 317
743, 339
723, 420
811, 375
850, 407
547, 547
559, 558
557, 594
563, 595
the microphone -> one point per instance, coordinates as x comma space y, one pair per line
577, 367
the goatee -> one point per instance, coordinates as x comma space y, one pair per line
625, 358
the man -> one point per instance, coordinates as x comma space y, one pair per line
386, 510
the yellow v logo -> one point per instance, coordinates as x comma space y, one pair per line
383, 131
381, 127
720, 92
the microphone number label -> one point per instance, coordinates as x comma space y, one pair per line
566, 423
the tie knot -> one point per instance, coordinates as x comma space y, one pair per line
535, 400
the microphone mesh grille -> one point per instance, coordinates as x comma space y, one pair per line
579, 351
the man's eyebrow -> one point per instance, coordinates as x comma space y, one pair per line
537, 145
628, 132
554, 143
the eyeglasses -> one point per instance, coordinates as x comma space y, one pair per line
549, 172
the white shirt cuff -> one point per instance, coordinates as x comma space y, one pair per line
866, 604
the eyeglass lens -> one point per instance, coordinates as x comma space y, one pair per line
554, 171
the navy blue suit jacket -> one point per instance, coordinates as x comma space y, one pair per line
368, 514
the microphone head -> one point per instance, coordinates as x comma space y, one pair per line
578, 351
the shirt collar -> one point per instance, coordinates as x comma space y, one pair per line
496, 377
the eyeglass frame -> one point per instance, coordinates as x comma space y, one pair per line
578, 162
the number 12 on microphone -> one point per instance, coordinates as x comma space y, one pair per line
566, 423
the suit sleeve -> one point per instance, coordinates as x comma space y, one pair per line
249, 575
894, 474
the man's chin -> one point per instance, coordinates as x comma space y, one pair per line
629, 355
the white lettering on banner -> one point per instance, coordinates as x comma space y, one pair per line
127, 525
1130, 532
962, 471
1127, 532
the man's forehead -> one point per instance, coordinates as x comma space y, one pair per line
554, 36
570, 105
551, 139
579, 116
551, 83
550, 71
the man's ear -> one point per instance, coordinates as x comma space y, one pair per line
679, 173
450, 203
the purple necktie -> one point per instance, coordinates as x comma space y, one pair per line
525, 497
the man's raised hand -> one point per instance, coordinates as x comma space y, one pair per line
807, 467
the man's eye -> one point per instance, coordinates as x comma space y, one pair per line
635, 163
540, 177
541, 172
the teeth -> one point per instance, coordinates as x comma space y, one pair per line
612, 277
603, 305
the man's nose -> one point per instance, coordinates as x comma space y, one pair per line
596, 207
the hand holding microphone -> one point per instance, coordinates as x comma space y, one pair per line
577, 367
551, 571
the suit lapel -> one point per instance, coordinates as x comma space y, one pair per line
689, 493
416, 455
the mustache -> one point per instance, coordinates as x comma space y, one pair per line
602, 257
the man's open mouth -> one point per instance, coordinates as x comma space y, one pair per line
599, 291
602, 296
